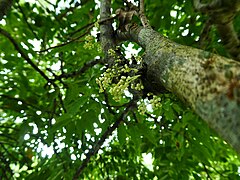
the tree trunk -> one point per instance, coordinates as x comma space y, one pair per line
207, 82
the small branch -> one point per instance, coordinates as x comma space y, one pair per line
131, 34
85, 67
91, 25
64, 44
88, 26
100, 142
40, 3
25, 56
143, 18
62, 62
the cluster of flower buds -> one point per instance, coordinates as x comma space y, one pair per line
89, 42
122, 82
155, 103
142, 107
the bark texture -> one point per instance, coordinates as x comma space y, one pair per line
106, 29
207, 82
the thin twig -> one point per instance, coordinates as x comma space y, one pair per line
62, 62
85, 67
89, 26
64, 44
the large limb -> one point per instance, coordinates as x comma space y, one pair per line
208, 83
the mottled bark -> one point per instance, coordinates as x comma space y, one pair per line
106, 29
209, 83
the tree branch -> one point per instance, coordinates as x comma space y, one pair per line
105, 135
88, 27
142, 15
85, 67
63, 44
25, 56
91, 25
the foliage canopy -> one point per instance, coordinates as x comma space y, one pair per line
53, 117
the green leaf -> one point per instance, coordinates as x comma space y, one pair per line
74, 106
134, 133
72, 93
147, 132
87, 120
122, 134
61, 122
